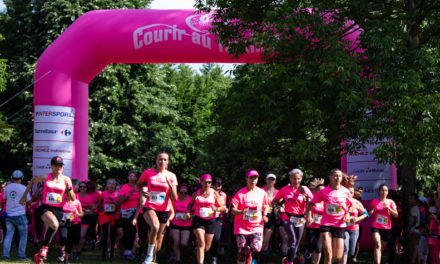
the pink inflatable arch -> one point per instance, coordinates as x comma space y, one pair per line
94, 40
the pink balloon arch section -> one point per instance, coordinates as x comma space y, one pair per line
95, 40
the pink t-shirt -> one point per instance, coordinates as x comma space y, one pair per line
180, 209
204, 205
257, 202
382, 216
336, 204
317, 212
224, 197
109, 206
96, 196
53, 192
133, 199
69, 211
433, 233
295, 202
86, 201
158, 188
354, 213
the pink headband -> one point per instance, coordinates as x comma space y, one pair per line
252, 173
184, 187
206, 177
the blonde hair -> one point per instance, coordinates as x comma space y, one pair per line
315, 183
348, 181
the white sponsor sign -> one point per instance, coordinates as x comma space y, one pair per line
370, 173
54, 114
49, 149
53, 136
53, 132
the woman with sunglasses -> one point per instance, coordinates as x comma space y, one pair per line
181, 224
204, 223
128, 201
89, 207
296, 197
56, 185
249, 207
161, 186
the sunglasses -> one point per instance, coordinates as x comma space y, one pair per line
183, 192
208, 182
83, 186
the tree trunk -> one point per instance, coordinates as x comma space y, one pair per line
408, 174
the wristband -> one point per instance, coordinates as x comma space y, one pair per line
366, 213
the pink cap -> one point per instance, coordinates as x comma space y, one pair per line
206, 177
183, 187
252, 173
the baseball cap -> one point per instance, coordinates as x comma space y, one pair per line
56, 160
252, 173
17, 174
271, 175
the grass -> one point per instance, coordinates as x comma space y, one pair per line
94, 256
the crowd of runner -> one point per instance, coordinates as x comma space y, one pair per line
137, 217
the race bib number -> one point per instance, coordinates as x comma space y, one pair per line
317, 219
206, 212
351, 223
53, 198
181, 216
252, 215
109, 208
69, 216
127, 213
270, 210
297, 221
382, 219
333, 209
157, 197
218, 214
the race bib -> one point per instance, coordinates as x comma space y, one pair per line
68, 215
53, 198
218, 214
297, 221
382, 219
270, 210
317, 219
181, 216
110, 208
157, 197
252, 215
206, 212
351, 223
127, 213
333, 209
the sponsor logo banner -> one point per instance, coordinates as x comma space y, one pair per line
54, 114
53, 132
41, 166
49, 149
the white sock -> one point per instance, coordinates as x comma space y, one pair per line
150, 249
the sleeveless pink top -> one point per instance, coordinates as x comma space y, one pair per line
180, 208
203, 205
53, 192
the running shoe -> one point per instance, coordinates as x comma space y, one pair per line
148, 260
300, 258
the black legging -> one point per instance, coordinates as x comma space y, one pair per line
105, 234
129, 232
217, 236
70, 236
295, 234
314, 240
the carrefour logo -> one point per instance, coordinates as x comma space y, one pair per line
66, 132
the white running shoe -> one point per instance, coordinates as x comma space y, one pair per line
148, 260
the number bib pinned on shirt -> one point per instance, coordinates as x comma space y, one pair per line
68, 215
382, 220
206, 212
127, 213
252, 215
110, 208
157, 197
297, 221
317, 219
181, 216
333, 209
53, 198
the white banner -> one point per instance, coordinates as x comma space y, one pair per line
53, 136
370, 173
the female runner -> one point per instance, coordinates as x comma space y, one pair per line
161, 186
296, 197
381, 210
249, 207
204, 223
269, 227
55, 186
337, 205
180, 228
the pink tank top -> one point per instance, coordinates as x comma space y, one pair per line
203, 205
275, 191
354, 213
317, 212
53, 192
180, 208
